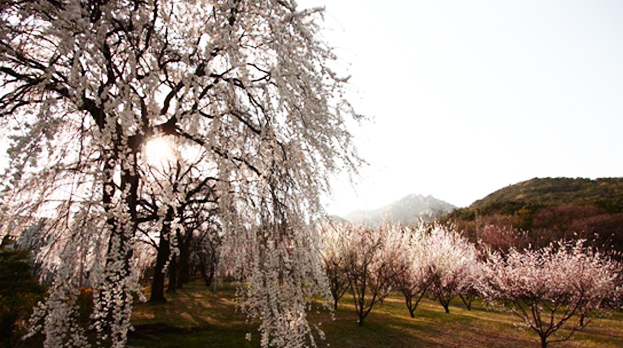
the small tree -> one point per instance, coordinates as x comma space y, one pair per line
559, 286
335, 237
416, 279
469, 290
451, 260
206, 253
371, 265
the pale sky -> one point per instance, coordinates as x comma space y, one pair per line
471, 96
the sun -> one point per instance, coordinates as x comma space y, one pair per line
159, 150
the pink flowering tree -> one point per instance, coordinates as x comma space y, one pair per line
86, 84
416, 279
556, 287
438, 262
371, 265
452, 261
335, 240
470, 286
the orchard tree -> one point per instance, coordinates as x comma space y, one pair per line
85, 84
470, 286
335, 240
371, 265
553, 288
416, 279
451, 261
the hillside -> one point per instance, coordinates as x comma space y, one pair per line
606, 192
406, 211
548, 209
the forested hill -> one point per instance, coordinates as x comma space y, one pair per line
604, 192
548, 209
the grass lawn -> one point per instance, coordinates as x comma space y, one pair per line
196, 317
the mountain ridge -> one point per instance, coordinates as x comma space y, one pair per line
407, 211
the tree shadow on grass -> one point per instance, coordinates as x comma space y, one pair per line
194, 306
192, 317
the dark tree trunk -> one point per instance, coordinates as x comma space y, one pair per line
467, 301
207, 272
361, 318
183, 267
202, 270
543, 341
172, 275
445, 305
210, 277
157, 284
445, 302
410, 306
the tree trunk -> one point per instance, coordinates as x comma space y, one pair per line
467, 301
409, 303
361, 321
444, 303
172, 275
157, 284
543, 341
183, 267
164, 251
210, 278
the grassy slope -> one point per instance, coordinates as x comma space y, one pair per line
195, 317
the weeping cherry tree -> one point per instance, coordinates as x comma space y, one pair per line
85, 84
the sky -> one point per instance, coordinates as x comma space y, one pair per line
468, 97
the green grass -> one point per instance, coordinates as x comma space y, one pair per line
196, 317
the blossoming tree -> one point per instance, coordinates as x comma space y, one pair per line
335, 240
556, 287
371, 265
416, 279
452, 261
86, 83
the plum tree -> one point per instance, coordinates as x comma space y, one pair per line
452, 261
335, 237
556, 287
371, 265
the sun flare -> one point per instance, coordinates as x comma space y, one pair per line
159, 150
